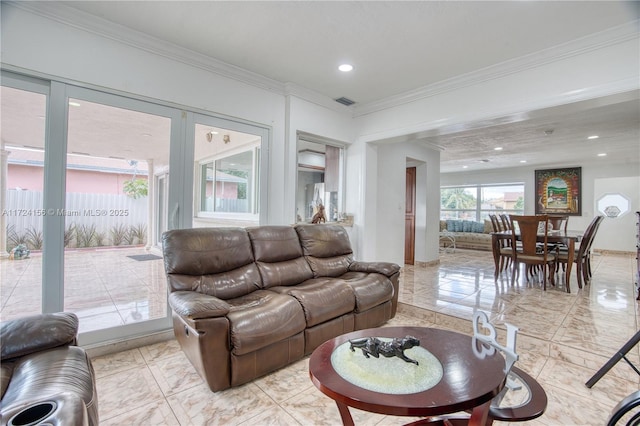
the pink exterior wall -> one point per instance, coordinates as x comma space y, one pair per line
228, 190
31, 178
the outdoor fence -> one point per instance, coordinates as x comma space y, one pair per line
90, 219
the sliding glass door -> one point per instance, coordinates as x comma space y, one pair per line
81, 168
113, 274
90, 181
22, 153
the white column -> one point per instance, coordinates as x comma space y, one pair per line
151, 213
4, 155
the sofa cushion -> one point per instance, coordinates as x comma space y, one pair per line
34, 333
323, 240
204, 251
327, 249
370, 289
261, 318
274, 243
279, 256
214, 261
322, 299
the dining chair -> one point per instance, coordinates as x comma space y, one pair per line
529, 252
582, 254
559, 222
506, 223
506, 252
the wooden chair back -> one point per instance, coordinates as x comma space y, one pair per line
589, 236
528, 229
506, 222
495, 223
559, 222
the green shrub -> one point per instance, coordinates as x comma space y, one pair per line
34, 239
118, 233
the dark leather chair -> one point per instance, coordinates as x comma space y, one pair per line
46, 378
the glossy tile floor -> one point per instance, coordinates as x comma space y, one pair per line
563, 340
105, 287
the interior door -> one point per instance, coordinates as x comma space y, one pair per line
410, 217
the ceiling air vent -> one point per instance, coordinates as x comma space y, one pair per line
345, 101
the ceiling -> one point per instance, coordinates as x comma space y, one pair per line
396, 47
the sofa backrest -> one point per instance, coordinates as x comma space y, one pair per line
326, 248
278, 254
214, 261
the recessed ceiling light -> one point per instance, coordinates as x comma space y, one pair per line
593, 137
523, 161
75, 104
464, 167
345, 67
497, 148
602, 154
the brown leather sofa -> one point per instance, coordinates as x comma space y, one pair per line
45, 378
249, 301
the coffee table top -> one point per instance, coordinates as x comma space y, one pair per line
469, 378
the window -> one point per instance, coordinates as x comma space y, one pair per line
227, 176
228, 184
476, 202
320, 180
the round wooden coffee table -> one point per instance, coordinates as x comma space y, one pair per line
468, 379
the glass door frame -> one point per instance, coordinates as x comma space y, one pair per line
180, 196
176, 162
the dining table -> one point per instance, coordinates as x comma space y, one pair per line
568, 238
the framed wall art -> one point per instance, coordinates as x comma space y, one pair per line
559, 191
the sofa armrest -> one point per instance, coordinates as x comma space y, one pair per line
23, 336
60, 409
194, 305
385, 268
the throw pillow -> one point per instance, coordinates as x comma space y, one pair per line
478, 227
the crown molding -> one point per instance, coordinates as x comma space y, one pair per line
103, 28
292, 89
622, 90
602, 39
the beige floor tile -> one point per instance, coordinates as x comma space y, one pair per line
564, 339
200, 406
123, 392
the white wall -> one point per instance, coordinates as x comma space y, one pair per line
618, 233
597, 178
34, 43
309, 117
556, 77
391, 201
